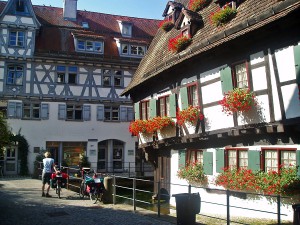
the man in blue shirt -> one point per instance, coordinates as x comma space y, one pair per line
47, 171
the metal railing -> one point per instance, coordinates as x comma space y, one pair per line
227, 206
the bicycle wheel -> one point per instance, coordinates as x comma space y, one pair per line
82, 190
58, 189
94, 197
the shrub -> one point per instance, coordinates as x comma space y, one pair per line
197, 5
222, 16
193, 173
166, 25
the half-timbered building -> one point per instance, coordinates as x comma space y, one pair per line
62, 71
258, 49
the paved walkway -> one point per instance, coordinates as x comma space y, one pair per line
21, 204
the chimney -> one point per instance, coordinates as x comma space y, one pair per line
70, 9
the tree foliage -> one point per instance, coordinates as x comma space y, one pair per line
5, 133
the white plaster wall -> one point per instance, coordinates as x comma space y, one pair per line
212, 93
27, 20
216, 119
291, 100
40, 131
259, 78
285, 63
9, 18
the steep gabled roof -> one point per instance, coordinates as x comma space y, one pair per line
252, 15
56, 33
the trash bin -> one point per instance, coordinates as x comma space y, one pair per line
296, 208
187, 206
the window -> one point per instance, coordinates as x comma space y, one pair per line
124, 48
91, 46
193, 95
15, 75
240, 75
194, 156
111, 113
112, 76
74, 112
164, 106
85, 24
118, 78
137, 50
16, 38
67, 74
145, 109
274, 158
126, 29
20, 7
31, 110
237, 158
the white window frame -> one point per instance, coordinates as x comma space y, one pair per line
109, 113
275, 159
64, 74
31, 110
90, 46
15, 76
18, 39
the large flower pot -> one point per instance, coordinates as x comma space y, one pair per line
145, 138
166, 132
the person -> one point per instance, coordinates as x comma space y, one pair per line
48, 163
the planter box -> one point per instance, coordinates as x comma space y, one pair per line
166, 132
145, 138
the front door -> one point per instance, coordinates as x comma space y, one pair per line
118, 158
102, 152
11, 161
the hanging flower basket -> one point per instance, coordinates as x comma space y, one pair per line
190, 116
179, 43
197, 5
166, 25
238, 100
223, 16
137, 126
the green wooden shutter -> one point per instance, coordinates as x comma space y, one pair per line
153, 111
226, 79
172, 101
254, 160
220, 160
208, 163
137, 110
184, 98
181, 158
298, 161
297, 62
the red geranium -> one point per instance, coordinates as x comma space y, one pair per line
179, 43
189, 115
196, 5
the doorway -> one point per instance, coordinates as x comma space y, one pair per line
11, 160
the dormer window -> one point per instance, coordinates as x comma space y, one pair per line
125, 28
85, 25
172, 11
189, 22
90, 46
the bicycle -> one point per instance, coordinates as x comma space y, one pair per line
91, 186
58, 181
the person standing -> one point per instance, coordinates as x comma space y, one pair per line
48, 163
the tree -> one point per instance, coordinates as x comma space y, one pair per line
5, 133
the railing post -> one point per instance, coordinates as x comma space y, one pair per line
134, 186
129, 169
228, 206
114, 189
190, 189
158, 198
278, 210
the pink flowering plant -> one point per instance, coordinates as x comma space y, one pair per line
189, 115
179, 43
285, 182
197, 5
193, 173
166, 25
238, 100
222, 16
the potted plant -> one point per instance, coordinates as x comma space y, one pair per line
197, 5
179, 43
189, 115
137, 126
166, 25
223, 16
238, 100
163, 126
194, 174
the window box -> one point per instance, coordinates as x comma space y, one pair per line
223, 16
197, 5
145, 138
166, 132
166, 25
179, 43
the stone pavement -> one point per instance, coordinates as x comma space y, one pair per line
21, 204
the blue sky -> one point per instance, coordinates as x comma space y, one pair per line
152, 9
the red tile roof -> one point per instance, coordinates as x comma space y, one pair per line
56, 33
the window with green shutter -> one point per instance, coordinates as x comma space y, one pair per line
254, 160
226, 79
181, 158
184, 98
208, 163
297, 62
220, 160
137, 110
173, 107
153, 110
298, 161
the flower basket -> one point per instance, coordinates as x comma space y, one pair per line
194, 174
238, 100
189, 115
179, 43
223, 16
145, 138
166, 25
137, 126
158, 123
197, 5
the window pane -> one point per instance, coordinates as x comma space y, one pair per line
13, 38
89, 46
72, 68
72, 78
78, 113
241, 75
133, 50
61, 68
117, 81
168, 106
124, 49
80, 45
26, 110
61, 78
106, 81
98, 46
288, 158
141, 50
162, 107
20, 38
232, 158
243, 159
115, 113
271, 162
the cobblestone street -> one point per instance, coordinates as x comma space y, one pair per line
21, 204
